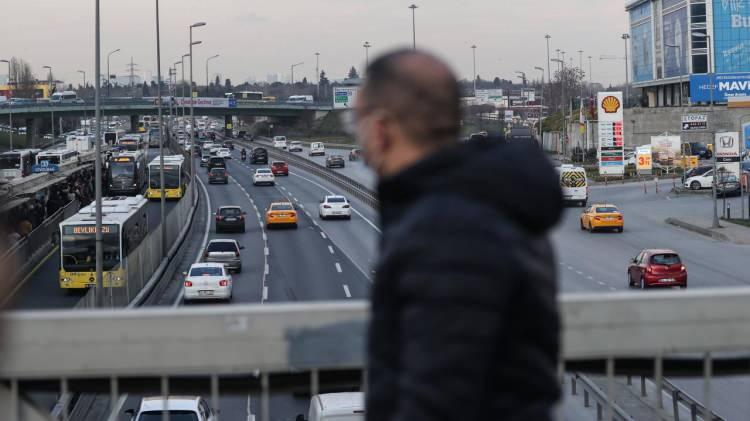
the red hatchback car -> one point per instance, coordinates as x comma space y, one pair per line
657, 268
280, 168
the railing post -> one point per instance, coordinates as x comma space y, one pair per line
643, 386
676, 404
693, 412
585, 397
599, 415
573, 385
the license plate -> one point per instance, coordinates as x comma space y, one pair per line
231, 219
666, 280
205, 293
336, 213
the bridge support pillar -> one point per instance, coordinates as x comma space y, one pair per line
134, 123
228, 126
32, 132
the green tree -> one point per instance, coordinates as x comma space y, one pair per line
353, 73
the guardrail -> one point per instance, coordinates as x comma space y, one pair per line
352, 187
591, 389
317, 347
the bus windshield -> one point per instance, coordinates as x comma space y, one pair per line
122, 169
10, 162
79, 252
130, 145
51, 159
171, 178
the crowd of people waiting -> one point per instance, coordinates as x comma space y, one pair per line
20, 221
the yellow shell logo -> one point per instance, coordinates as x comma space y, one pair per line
611, 104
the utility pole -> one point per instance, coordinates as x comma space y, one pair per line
549, 73
413, 7
162, 193
132, 67
292, 67
367, 46
193, 180
625, 38
317, 75
590, 78
99, 236
474, 56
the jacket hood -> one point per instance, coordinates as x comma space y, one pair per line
517, 179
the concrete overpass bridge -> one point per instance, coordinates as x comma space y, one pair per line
31, 115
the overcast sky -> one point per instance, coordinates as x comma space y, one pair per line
255, 38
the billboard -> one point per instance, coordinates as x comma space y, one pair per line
643, 160
731, 36
725, 86
489, 96
666, 150
611, 135
201, 102
675, 33
641, 50
694, 122
344, 97
728, 152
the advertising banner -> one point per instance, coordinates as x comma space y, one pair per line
643, 161
200, 102
508, 116
344, 97
666, 150
694, 122
676, 33
731, 35
489, 96
725, 86
746, 135
728, 152
611, 135
44, 167
642, 52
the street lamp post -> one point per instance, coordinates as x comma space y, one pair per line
413, 7
590, 79
99, 236
85, 118
10, 104
192, 115
207, 60
474, 57
182, 85
549, 72
52, 109
625, 38
317, 75
109, 76
162, 193
541, 106
367, 46
292, 67
174, 89
562, 97
711, 82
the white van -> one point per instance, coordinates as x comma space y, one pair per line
574, 184
317, 148
279, 142
65, 97
348, 406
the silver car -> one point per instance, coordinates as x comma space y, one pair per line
226, 252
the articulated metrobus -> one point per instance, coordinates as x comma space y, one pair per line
57, 156
126, 173
124, 226
131, 142
175, 178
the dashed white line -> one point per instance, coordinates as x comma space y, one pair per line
570, 267
338, 267
265, 237
579, 272
590, 278
265, 293
265, 251
330, 248
612, 289
346, 291
295, 199
283, 188
322, 234
301, 206
267, 270
601, 283
309, 215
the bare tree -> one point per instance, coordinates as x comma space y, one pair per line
23, 78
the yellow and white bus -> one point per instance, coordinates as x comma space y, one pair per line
175, 178
124, 226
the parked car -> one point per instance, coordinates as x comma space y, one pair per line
335, 161
207, 281
334, 206
355, 154
700, 150
703, 181
280, 168
699, 170
230, 218
657, 268
728, 185
218, 175
224, 251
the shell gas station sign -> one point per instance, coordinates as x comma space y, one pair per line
611, 134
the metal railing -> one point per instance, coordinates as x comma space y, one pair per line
316, 347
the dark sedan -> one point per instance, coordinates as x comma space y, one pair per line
335, 161
230, 218
218, 175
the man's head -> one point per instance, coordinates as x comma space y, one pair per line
408, 108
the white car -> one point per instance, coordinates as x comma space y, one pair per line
703, 181
224, 153
335, 207
178, 407
207, 281
263, 176
214, 150
345, 406
295, 146
317, 149
279, 142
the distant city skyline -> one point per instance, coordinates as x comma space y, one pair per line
266, 38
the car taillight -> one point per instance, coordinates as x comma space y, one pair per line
223, 283
326, 207
346, 206
242, 217
205, 254
619, 217
188, 284
596, 218
649, 269
237, 254
682, 268
219, 218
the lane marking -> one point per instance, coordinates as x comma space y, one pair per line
265, 293
330, 248
295, 199
265, 237
265, 250
375, 227
590, 278
601, 283
612, 289
570, 267
322, 234
346, 291
301, 206
309, 215
267, 269
338, 267
283, 188
579, 272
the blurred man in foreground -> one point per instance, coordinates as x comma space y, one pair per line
464, 318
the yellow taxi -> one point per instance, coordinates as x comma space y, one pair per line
602, 216
281, 214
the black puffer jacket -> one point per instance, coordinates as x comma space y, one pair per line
464, 317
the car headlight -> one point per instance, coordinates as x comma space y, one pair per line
66, 280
